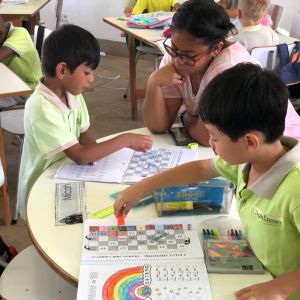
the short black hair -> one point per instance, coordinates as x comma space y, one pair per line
70, 44
204, 19
245, 98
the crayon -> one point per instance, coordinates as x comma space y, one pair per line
217, 234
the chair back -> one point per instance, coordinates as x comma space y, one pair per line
39, 35
295, 29
1, 174
268, 56
275, 11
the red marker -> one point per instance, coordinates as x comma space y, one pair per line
121, 220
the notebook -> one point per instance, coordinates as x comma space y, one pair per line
142, 260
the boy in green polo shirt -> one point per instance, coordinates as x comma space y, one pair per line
246, 134
56, 119
18, 53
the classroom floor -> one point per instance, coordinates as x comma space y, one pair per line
109, 113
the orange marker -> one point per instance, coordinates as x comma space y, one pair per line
121, 220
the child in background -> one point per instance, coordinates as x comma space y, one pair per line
142, 6
18, 53
56, 119
246, 134
252, 33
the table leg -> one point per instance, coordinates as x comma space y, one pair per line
16, 20
132, 76
4, 187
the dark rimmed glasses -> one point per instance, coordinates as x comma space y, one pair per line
187, 60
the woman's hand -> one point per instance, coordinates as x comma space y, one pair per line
139, 142
167, 75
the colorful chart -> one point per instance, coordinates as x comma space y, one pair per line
127, 284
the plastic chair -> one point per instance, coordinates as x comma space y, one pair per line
39, 35
12, 121
4, 185
268, 57
28, 277
295, 29
276, 12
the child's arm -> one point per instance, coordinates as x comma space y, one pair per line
187, 173
91, 151
5, 52
277, 289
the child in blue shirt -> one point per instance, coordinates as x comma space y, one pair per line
246, 134
56, 120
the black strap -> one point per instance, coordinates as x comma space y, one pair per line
40, 39
297, 43
283, 54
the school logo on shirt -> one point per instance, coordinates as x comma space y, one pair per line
265, 218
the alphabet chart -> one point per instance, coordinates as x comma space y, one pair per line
142, 261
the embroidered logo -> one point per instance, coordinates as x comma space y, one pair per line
267, 219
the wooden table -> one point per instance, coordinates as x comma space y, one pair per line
10, 85
61, 246
17, 13
148, 36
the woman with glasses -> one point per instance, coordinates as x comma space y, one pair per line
197, 53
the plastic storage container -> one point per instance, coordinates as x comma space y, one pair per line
213, 196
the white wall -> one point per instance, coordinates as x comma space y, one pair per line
89, 14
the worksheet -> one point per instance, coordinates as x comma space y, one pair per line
142, 261
127, 165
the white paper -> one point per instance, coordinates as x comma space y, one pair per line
127, 166
109, 270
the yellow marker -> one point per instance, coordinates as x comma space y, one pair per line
182, 205
193, 146
103, 213
217, 234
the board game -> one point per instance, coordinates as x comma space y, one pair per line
127, 166
142, 261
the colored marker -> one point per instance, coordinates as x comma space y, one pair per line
232, 234
241, 234
204, 234
229, 237
213, 236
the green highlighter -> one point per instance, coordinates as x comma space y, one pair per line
103, 213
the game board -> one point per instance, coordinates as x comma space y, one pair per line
142, 261
151, 162
152, 237
127, 165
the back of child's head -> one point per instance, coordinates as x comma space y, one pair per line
245, 98
72, 45
254, 10
204, 19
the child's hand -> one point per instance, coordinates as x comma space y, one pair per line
176, 6
139, 142
126, 200
128, 11
167, 75
264, 291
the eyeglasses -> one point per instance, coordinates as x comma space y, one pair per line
187, 60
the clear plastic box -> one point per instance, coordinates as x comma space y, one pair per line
213, 196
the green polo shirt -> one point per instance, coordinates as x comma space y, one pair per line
50, 128
25, 62
269, 209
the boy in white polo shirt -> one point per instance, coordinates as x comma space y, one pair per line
56, 118
252, 33
246, 134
